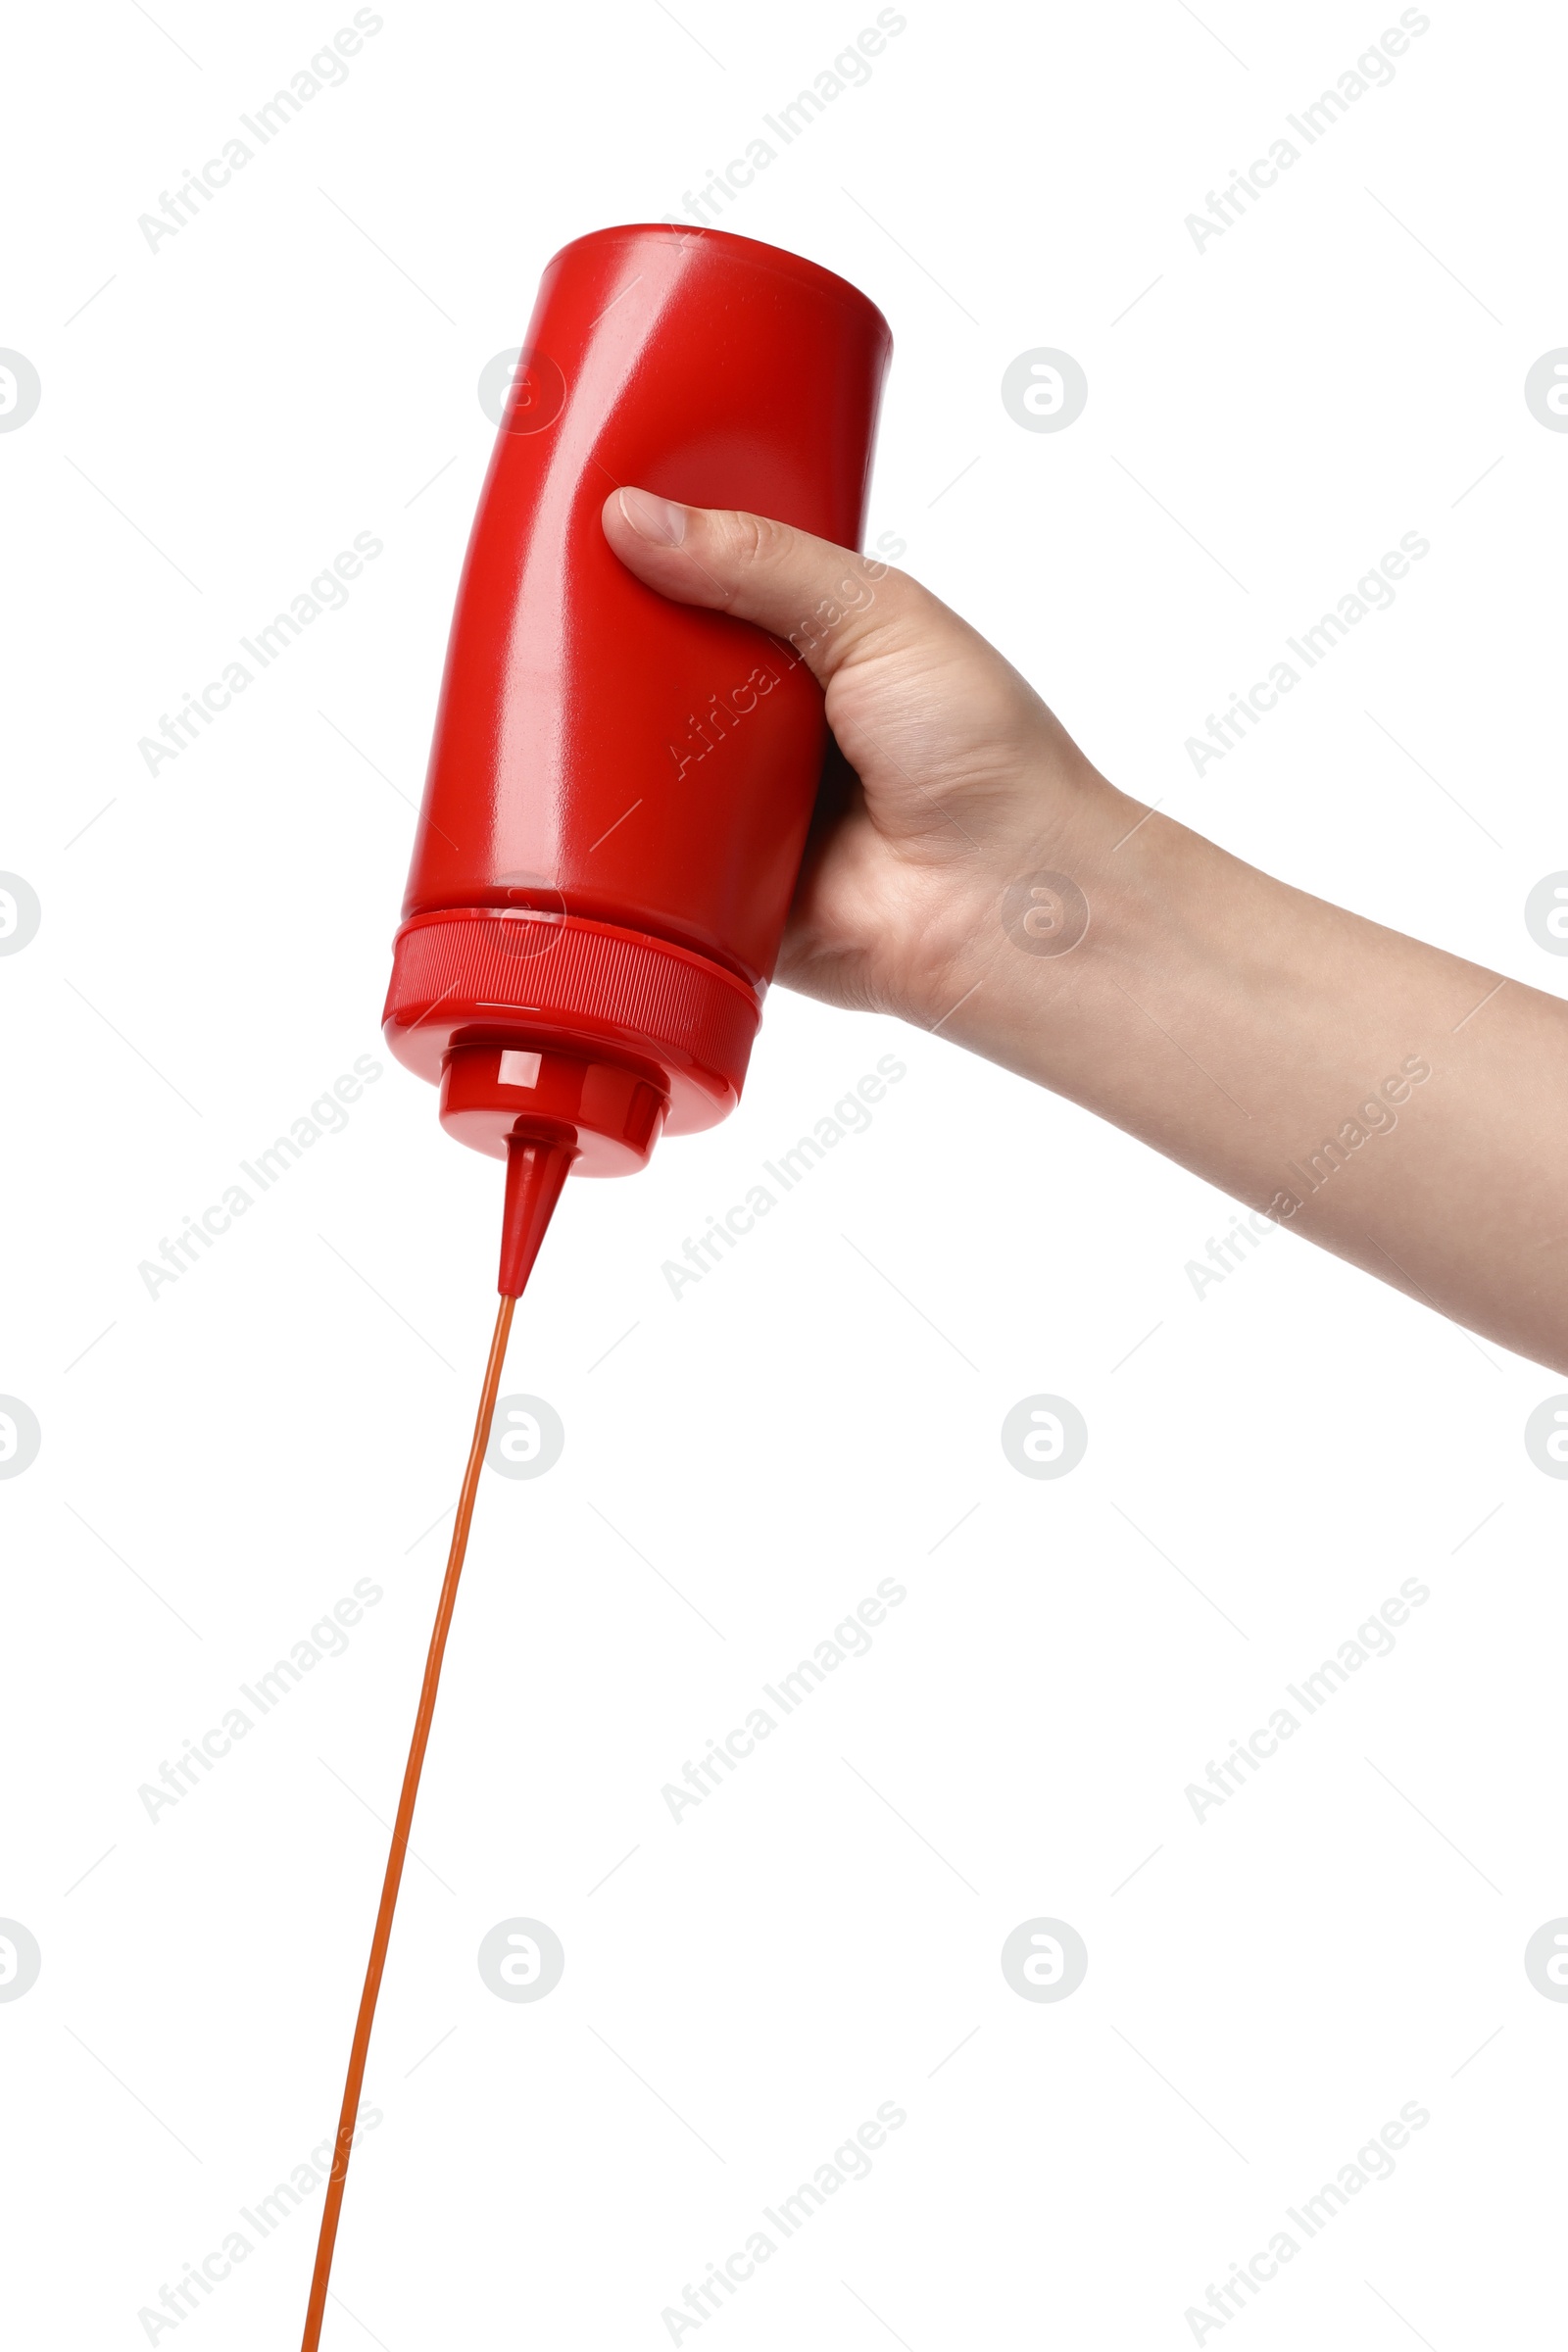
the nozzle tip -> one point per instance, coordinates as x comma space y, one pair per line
536, 1170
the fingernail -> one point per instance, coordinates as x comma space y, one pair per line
657, 519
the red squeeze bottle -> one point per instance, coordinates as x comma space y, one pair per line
619, 787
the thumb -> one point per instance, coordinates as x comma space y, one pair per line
829, 603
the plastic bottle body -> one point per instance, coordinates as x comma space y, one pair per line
619, 787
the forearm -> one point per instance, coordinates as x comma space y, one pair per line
1399, 1107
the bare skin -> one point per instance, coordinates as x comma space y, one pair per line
976, 875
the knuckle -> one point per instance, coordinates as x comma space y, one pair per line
758, 540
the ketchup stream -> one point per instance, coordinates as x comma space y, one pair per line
320, 2276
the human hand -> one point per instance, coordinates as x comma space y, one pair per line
954, 777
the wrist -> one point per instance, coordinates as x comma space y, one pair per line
1100, 958
1010, 946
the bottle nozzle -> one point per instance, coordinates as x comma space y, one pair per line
536, 1170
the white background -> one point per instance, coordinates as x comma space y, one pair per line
1266, 1463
